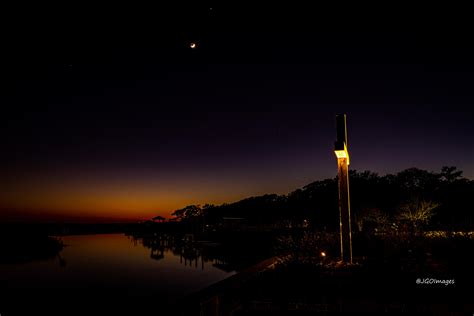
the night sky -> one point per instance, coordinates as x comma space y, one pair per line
116, 117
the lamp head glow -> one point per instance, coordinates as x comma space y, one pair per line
341, 151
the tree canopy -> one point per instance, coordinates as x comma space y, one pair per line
390, 194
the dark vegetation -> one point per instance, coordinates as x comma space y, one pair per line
26, 247
410, 217
373, 197
414, 224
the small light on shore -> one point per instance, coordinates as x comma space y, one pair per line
323, 254
192, 45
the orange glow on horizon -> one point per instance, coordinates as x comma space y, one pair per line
102, 203
91, 196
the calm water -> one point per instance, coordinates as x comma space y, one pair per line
92, 266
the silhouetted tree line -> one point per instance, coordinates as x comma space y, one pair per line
442, 199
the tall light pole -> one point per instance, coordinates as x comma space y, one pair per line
340, 148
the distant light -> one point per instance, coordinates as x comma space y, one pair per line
192, 45
323, 254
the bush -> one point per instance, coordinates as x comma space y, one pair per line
307, 248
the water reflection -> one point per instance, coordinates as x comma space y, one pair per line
25, 248
191, 253
62, 261
164, 268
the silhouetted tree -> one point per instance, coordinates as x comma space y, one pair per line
317, 202
450, 174
158, 219
187, 212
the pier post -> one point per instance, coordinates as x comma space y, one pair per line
342, 154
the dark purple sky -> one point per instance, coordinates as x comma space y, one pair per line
120, 120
